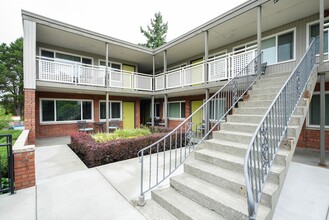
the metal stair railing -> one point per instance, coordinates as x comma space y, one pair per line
272, 129
160, 159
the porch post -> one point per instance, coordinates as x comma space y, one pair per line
152, 110
259, 34
153, 72
107, 65
165, 107
165, 67
107, 112
322, 90
206, 114
206, 54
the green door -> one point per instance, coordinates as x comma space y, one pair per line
197, 118
196, 75
128, 115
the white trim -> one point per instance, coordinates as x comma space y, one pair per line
110, 101
308, 125
72, 54
215, 55
179, 66
55, 111
308, 33
180, 110
110, 62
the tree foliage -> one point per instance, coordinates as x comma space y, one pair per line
156, 33
11, 77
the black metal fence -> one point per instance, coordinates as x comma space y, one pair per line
6, 164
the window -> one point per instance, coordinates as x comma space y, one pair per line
217, 109
314, 31
65, 110
314, 110
157, 110
112, 65
278, 48
176, 109
66, 57
115, 110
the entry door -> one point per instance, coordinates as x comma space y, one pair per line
128, 115
197, 118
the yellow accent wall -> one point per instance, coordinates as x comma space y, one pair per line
128, 115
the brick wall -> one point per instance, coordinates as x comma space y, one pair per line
30, 114
65, 129
24, 169
310, 137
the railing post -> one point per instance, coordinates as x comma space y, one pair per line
141, 198
11, 164
206, 115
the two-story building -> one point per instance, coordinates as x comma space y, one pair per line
73, 74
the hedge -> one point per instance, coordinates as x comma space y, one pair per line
94, 154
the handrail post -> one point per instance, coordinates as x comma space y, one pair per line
141, 198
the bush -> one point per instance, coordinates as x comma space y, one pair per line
4, 119
94, 153
121, 134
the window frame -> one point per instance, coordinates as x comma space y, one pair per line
225, 103
276, 35
63, 60
55, 111
308, 25
308, 125
180, 110
110, 64
110, 118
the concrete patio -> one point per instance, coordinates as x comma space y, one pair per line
67, 189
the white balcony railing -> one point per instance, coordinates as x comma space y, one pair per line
219, 68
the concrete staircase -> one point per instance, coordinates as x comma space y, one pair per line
213, 185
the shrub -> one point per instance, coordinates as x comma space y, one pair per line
94, 153
121, 134
4, 118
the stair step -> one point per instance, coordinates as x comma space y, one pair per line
182, 207
227, 179
272, 79
225, 146
234, 162
258, 89
262, 96
274, 75
230, 205
255, 103
250, 110
152, 210
267, 84
253, 119
235, 136
239, 126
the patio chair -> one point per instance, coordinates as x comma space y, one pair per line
113, 125
200, 129
83, 126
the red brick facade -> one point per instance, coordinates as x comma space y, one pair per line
30, 121
44, 130
24, 169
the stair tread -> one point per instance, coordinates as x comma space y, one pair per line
228, 143
186, 205
235, 133
152, 210
218, 194
230, 175
235, 159
241, 123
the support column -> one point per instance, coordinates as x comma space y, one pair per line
206, 55
107, 109
152, 110
165, 108
206, 114
165, 67
153, 71
107, 65
259, 34
322, 90
29, 114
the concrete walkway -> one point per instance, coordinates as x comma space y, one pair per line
67, 189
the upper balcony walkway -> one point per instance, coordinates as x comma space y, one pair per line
217, 68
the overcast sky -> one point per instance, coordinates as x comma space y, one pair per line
117, 18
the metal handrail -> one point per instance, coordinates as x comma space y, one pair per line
185, 135
265, 142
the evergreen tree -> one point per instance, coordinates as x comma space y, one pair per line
156, 33
11, 77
